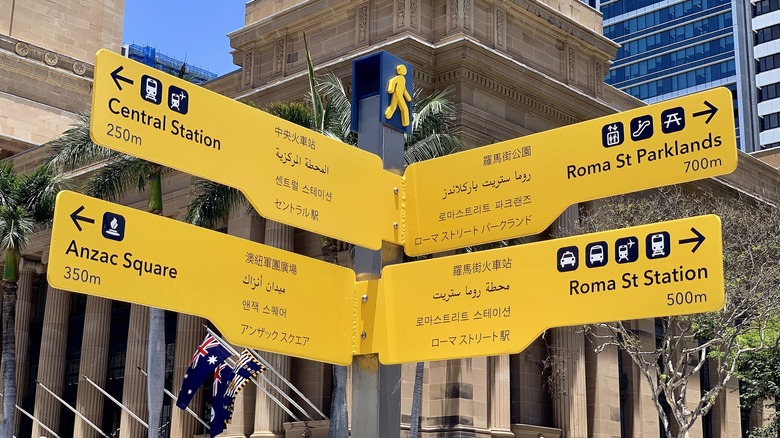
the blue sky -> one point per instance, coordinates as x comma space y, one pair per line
191, 30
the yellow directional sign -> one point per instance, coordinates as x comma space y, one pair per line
499, 301
290, 174
518, 187
257, 296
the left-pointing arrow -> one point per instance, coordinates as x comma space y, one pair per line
76, 218
117, 77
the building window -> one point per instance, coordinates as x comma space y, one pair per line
768, 92
765, 7
767, 63
767, 34
770, 121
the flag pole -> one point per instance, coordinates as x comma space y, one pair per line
174, 398
35, 420
254, 380
123, 407
86, 420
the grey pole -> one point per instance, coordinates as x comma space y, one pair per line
376, 388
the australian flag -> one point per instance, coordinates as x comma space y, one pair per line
220, 405
246, 368
207, 357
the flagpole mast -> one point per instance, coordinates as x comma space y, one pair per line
123, 407
35, 420
276, 373
72, 409
174, 398
254, 380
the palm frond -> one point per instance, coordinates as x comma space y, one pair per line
317, 110
295, 112
16, 226
114, 179
38, 191
434, 112
9, 183
338, 107
433, 146
211, 203
75, 149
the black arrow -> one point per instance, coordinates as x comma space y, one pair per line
698, 239
711, 111
116, 77
76, 218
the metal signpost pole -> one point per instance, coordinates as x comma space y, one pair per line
376, 388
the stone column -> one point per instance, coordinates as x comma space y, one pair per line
603, 391
457, 398
269, 417
134, 388
726, 418
641, 413
499, 397
251, 228
93, 364
189, 333
51, 365
570, 397
24, 315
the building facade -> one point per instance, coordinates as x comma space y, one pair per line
516, 68
766, 34
670, 49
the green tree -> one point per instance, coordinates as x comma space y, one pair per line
751, 242
328, 110
26, 206
116, 175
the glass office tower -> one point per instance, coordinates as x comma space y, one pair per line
673, 48
766, 33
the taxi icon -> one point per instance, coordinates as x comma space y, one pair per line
568, 259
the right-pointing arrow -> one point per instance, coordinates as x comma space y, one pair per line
711, 111
76, 218
698, 239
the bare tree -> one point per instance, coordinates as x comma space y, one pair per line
751, 245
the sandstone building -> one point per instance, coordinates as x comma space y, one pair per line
517, 68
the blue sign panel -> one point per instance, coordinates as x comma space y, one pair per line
390, 78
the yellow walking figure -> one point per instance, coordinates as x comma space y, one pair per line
398, 96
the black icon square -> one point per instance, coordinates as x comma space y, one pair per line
178, 99
568, 259
673, 120
596, 254
641, 127
612, 134
113, 226
658, 245
151, 89
627, 250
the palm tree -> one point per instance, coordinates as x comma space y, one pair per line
328, 111
26, 205
118, 174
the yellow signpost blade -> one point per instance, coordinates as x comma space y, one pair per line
518, 187
499, 301
290, 174
257, 296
